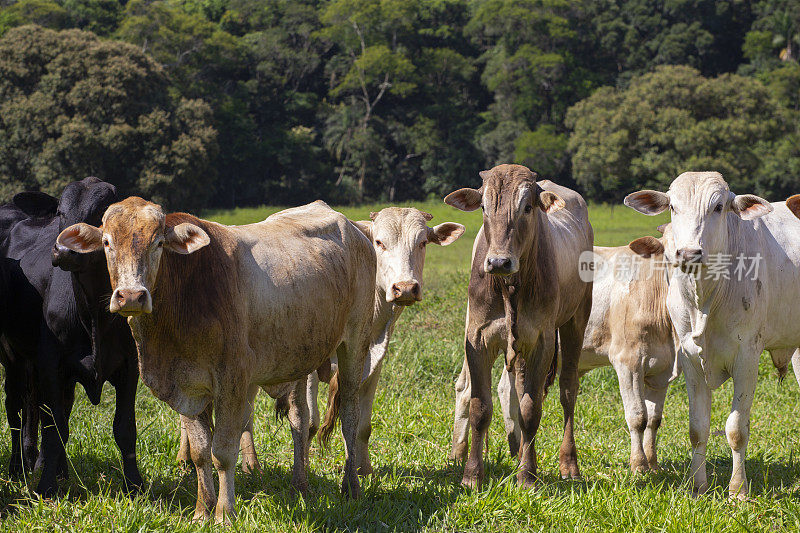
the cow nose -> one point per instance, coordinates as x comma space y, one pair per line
130, 301
406, 292
499, 265
689, 255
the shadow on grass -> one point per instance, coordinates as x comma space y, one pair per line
398, 497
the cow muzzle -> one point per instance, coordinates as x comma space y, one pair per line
131, 302
405, 293
689, 258
501, 265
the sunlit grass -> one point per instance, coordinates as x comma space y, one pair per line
414, 486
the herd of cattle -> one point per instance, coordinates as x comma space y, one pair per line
95, 289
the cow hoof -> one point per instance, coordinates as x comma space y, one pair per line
654, 467
365, 470
351, 489
47, 490
699, 490
526, 481
251, 467
639, 468
513, 445
15, 468
471, 482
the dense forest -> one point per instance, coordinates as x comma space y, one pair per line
218, 103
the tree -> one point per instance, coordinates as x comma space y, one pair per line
72, 105
670, 121
372, 64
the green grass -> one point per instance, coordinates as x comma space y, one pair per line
414, 486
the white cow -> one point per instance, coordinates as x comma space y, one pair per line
735, 293
629, 328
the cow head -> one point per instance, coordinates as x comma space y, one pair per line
794, 204
700, 204
400, 236
512, 203
133, 235
81, 201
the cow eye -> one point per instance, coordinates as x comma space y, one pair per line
422, 244
718, 208
160, 244
106, 243
380, 245
528, 208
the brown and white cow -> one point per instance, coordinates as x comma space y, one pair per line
630, 329
218, 311
524, 286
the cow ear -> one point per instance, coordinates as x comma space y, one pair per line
648, 202
750, 206
365, 226
36, 204
647, 246
464, 199
185, 238
794, 205
662, 228
427, 216
373, 214
82, 238
550, 202
445, 233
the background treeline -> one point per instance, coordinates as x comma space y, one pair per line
219, 103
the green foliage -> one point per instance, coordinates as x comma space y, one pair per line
359, 100
74, 105
670, 121
43, 12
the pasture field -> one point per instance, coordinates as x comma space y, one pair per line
414, 486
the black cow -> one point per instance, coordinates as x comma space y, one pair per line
57, 328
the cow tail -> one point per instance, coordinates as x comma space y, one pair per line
551, 374
332, 412
282, 407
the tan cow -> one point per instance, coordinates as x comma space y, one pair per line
400, 236
218, 311
629, 328
524, 285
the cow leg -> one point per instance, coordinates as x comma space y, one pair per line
299, 422
30, 429
509, 404
312, 390
184, 456
654, 401
460, 445
198, 431
247, 445
631, 388
55, 429
699, 421
15, 413
571, 337
480, 408
366, 398
530, 373
351, 366
231, 411
737, 427
68, 403
125, 423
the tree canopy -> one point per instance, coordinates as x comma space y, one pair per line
218, 103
